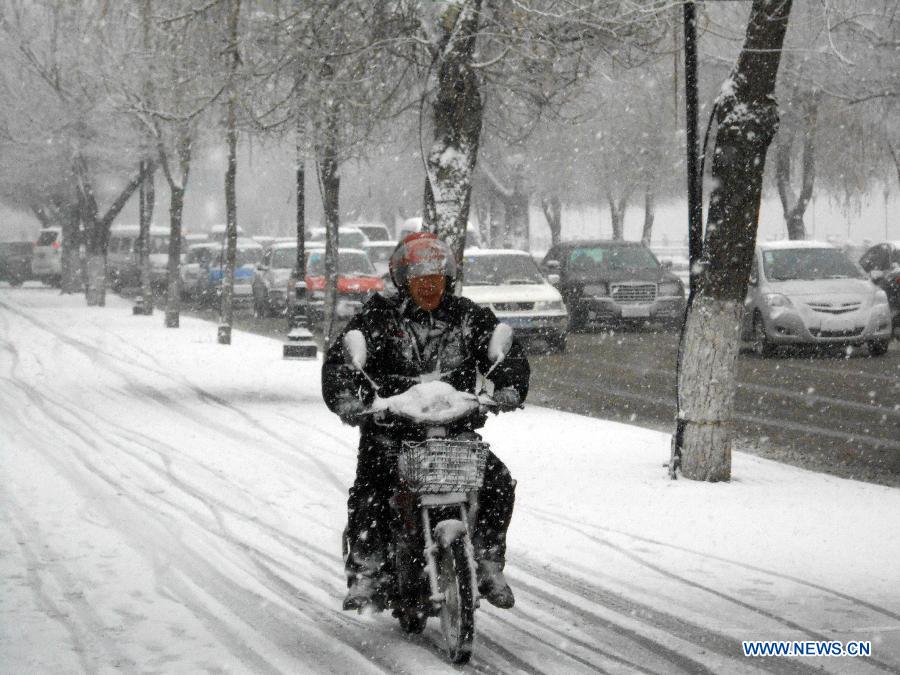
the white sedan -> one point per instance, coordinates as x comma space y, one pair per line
510, 283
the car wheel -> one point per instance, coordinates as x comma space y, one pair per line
760, 342
878, 347
559, 345
577, 321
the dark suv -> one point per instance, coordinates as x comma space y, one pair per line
15, 261
613, 282
882, 263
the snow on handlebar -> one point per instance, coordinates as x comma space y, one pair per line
432, 403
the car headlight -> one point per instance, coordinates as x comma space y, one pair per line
777, 300
670, 288
596, 289
550, 305
880, 298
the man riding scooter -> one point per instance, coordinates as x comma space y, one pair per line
422, 334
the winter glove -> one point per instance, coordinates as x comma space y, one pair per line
349, 409
507, 399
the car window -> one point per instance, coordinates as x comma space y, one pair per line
247, 256
493, 270
47, 237
352, 239
594, 260
284, 258
808, 264
349, 263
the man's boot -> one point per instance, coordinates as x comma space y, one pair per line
492, 584
364, 576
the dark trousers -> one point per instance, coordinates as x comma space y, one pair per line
369, 513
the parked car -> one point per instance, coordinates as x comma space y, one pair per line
357, 280
216, 233
679, 266
348, 237
271, 278
410, 225
46, 262
15, 261
613, 282
373, 231
510, 283
882, 263
379, 253
203, 271
809, 292
123, 259
195, 269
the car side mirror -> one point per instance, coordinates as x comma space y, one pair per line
876, 275
553, 279
551, 266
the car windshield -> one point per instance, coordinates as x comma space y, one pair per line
808, 264
159, 244
47, 237
350, 263
376, 233
595, 260
494, 270
284, 258
379, 253
197, 255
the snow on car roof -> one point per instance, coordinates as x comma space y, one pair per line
478, 252
793, 243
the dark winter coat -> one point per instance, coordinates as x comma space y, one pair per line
405, 343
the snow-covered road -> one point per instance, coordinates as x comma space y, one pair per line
172, 505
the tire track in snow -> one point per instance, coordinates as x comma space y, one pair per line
600, 528
202, 574
740, 603
15, 520
109, 360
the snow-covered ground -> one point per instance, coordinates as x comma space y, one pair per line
173, 505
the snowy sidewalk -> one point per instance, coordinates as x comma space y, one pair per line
173, 505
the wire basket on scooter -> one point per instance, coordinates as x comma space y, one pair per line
442, 465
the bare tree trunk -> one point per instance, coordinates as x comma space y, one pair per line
176, 206
649, 215
148, 201
747, 118
552, 208
617, 215
226, 310
330, 180
794, 206
457, 114
98, 229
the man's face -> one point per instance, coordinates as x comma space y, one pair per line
427, 291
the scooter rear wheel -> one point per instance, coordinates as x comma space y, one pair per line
458, 607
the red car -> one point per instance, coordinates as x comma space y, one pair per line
357, 280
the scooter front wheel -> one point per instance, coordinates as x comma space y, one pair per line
458, 607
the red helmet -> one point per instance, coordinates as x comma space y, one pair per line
421, 254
